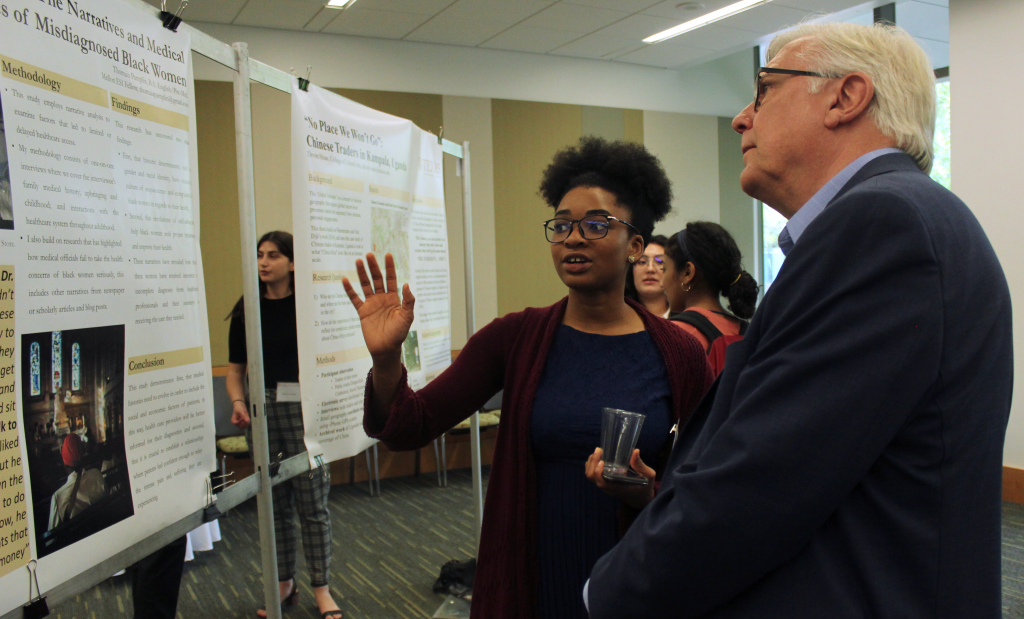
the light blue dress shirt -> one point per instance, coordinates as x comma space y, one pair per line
803, 217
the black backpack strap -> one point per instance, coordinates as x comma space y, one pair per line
699, 322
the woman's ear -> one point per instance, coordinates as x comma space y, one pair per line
689, 272
636, 246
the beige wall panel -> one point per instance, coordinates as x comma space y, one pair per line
272, 158
986, 159
469, 119
526, 137
736, 209
604, 122
633, 126
687, 145
218, 213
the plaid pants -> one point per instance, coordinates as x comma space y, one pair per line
285, 432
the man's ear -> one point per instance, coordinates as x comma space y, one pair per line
850, 100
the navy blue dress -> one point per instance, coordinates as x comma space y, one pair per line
577, 521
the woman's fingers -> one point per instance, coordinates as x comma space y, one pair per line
352, 294
375, 275
639, 466
389, 273
408, 301
364, 279
595, 468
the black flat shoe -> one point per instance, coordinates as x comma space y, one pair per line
333, 614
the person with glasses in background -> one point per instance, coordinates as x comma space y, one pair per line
544, 523
848, 463
644, 284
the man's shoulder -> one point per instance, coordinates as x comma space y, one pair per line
902, 194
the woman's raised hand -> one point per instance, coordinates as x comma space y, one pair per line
384, 318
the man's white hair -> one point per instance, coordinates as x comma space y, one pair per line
904, 104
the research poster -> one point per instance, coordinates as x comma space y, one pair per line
106, 426
362, 181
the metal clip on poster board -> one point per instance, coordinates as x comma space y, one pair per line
36, 607
170, 20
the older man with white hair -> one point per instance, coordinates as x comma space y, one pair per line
848, 462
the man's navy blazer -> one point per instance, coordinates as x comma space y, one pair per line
848, 463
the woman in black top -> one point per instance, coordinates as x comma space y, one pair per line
284, 422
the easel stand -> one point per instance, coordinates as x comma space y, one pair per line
260, 485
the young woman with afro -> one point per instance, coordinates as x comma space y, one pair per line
545, 524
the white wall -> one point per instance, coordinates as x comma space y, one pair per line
719, 88
985, 100
687, 145
469, 119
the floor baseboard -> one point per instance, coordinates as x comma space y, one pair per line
1013, 485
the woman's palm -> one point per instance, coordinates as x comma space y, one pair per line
384, 317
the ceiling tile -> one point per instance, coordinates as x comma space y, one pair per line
523, 38
363, 22
668, 54
715, 37
287, 14
574, 18
629, 6
421, 7
324, 17
505, 11
938, 52
670, 9
765, 19
924, 20
451, 30
598, 46
638, 27
944, 3
220, 12
819, 6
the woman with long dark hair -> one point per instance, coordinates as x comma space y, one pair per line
703, 265
285, 432
544, 524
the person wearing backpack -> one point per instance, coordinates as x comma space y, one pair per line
703, 265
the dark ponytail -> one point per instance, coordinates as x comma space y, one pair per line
286, 245
715, 255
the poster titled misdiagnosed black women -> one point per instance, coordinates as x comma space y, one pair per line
106, 431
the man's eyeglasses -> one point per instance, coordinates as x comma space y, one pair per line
657, 261
760, 88
591, 228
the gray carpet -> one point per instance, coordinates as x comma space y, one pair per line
387, 553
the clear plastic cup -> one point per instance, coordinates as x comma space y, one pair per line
619, 432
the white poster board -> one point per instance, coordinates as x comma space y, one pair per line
109, 351
362, 181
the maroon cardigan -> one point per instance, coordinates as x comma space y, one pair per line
510, 353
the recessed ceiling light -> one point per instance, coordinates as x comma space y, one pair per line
340, 4
690, 6
704, 20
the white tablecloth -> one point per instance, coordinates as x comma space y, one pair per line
201, 539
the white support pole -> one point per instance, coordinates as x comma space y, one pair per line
253, 329
474, 422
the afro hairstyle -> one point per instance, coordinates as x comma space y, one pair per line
625, 169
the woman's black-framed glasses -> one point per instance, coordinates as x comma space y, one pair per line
759, 89
591, 228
